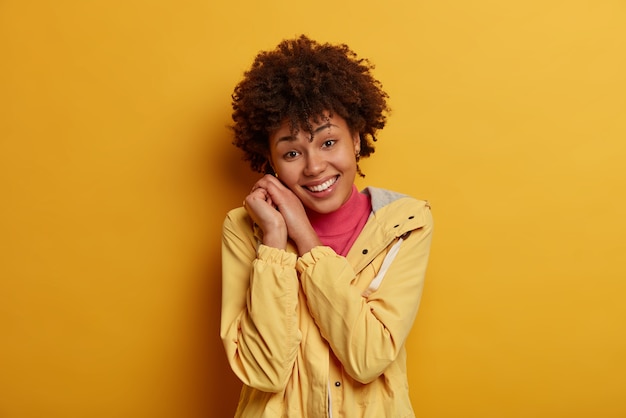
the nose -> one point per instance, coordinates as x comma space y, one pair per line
315, 164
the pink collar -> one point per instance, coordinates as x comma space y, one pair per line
340, 228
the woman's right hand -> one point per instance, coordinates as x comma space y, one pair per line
259, 205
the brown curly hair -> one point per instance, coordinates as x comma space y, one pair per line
298, 81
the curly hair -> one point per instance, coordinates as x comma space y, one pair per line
298, 81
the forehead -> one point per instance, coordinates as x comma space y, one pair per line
317, 124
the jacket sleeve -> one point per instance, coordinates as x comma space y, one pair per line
366, 333
259, 324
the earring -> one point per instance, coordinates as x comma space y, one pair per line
358, 156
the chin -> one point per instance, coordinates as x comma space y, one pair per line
324, 209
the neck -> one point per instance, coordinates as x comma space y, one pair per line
340, 228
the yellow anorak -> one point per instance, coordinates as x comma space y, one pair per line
323, 335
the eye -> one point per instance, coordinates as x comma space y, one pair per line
291, 155
328, 143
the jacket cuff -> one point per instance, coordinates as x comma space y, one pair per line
312, 257
271, 255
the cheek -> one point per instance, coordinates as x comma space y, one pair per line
287, 173
347, 161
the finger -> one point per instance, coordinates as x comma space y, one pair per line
271, 202
268, 181
258, 193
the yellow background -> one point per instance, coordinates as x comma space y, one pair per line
116, 171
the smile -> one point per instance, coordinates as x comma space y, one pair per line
323, 186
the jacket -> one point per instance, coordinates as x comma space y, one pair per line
323, 335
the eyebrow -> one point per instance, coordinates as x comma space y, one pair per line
315, 131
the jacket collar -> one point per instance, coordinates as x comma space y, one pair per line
381, 197
394, 215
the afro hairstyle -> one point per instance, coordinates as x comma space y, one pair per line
299, 81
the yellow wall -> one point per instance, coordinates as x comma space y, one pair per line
116, 171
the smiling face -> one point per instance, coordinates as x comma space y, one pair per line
320, 171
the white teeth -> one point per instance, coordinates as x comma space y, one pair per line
323, 186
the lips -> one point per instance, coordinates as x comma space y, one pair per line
323, 186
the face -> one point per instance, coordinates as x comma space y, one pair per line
321, 171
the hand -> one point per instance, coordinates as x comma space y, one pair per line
297, 224
264, 213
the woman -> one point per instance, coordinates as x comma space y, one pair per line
321, 282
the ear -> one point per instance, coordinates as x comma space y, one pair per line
269, 166
356, 139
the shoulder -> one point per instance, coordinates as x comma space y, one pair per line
385, 199
238, 234
395, 208
238, 221
237, 215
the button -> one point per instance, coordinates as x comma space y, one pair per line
364, 251
411, 217
337, 384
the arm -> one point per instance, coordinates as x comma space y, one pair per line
259, 324
366, 334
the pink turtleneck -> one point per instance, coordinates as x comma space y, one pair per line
339, 229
